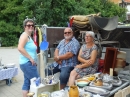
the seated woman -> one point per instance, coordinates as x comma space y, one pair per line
88, 58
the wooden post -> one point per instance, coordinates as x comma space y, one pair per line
42, 65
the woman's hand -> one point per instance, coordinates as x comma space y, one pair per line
32, 61
89, 62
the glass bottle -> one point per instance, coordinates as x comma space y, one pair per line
49, 53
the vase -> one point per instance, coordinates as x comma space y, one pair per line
73, 91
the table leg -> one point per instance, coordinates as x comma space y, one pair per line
8, 81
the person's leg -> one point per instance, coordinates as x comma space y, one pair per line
76, 73
29, 71
25, 88
90, 70
64, 76
72, 77
25, 93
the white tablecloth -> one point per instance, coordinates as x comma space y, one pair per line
8, 73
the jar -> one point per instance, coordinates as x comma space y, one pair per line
73, 91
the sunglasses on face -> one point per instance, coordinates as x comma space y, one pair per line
67, 32
30, 25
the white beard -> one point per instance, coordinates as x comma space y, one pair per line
68, 37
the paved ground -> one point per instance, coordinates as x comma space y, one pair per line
11, 55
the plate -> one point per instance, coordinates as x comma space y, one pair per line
96, 90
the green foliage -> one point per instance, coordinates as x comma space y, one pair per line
56, 13
107, 9
11, 15
51, 12
7, 32
111, 9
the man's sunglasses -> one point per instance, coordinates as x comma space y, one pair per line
67, 32
30, 25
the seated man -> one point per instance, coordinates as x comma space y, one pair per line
88, 58
65, 57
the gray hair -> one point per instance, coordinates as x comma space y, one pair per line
69, 29
91, 33
28, 20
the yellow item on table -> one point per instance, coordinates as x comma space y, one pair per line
90, 77
73, 92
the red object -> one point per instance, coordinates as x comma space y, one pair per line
101, 64
71, 21
35, 37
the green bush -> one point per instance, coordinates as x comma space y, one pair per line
9, 40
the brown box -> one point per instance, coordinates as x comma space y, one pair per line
110, 59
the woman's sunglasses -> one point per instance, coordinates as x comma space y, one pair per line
30, 26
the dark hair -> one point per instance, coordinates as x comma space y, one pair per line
28, 20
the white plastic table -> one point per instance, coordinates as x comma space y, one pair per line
8, 74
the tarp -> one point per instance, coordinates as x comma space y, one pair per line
95, 22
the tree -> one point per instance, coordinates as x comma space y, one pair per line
57, 12
12, 14
51, 12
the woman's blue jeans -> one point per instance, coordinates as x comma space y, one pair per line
29, 71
